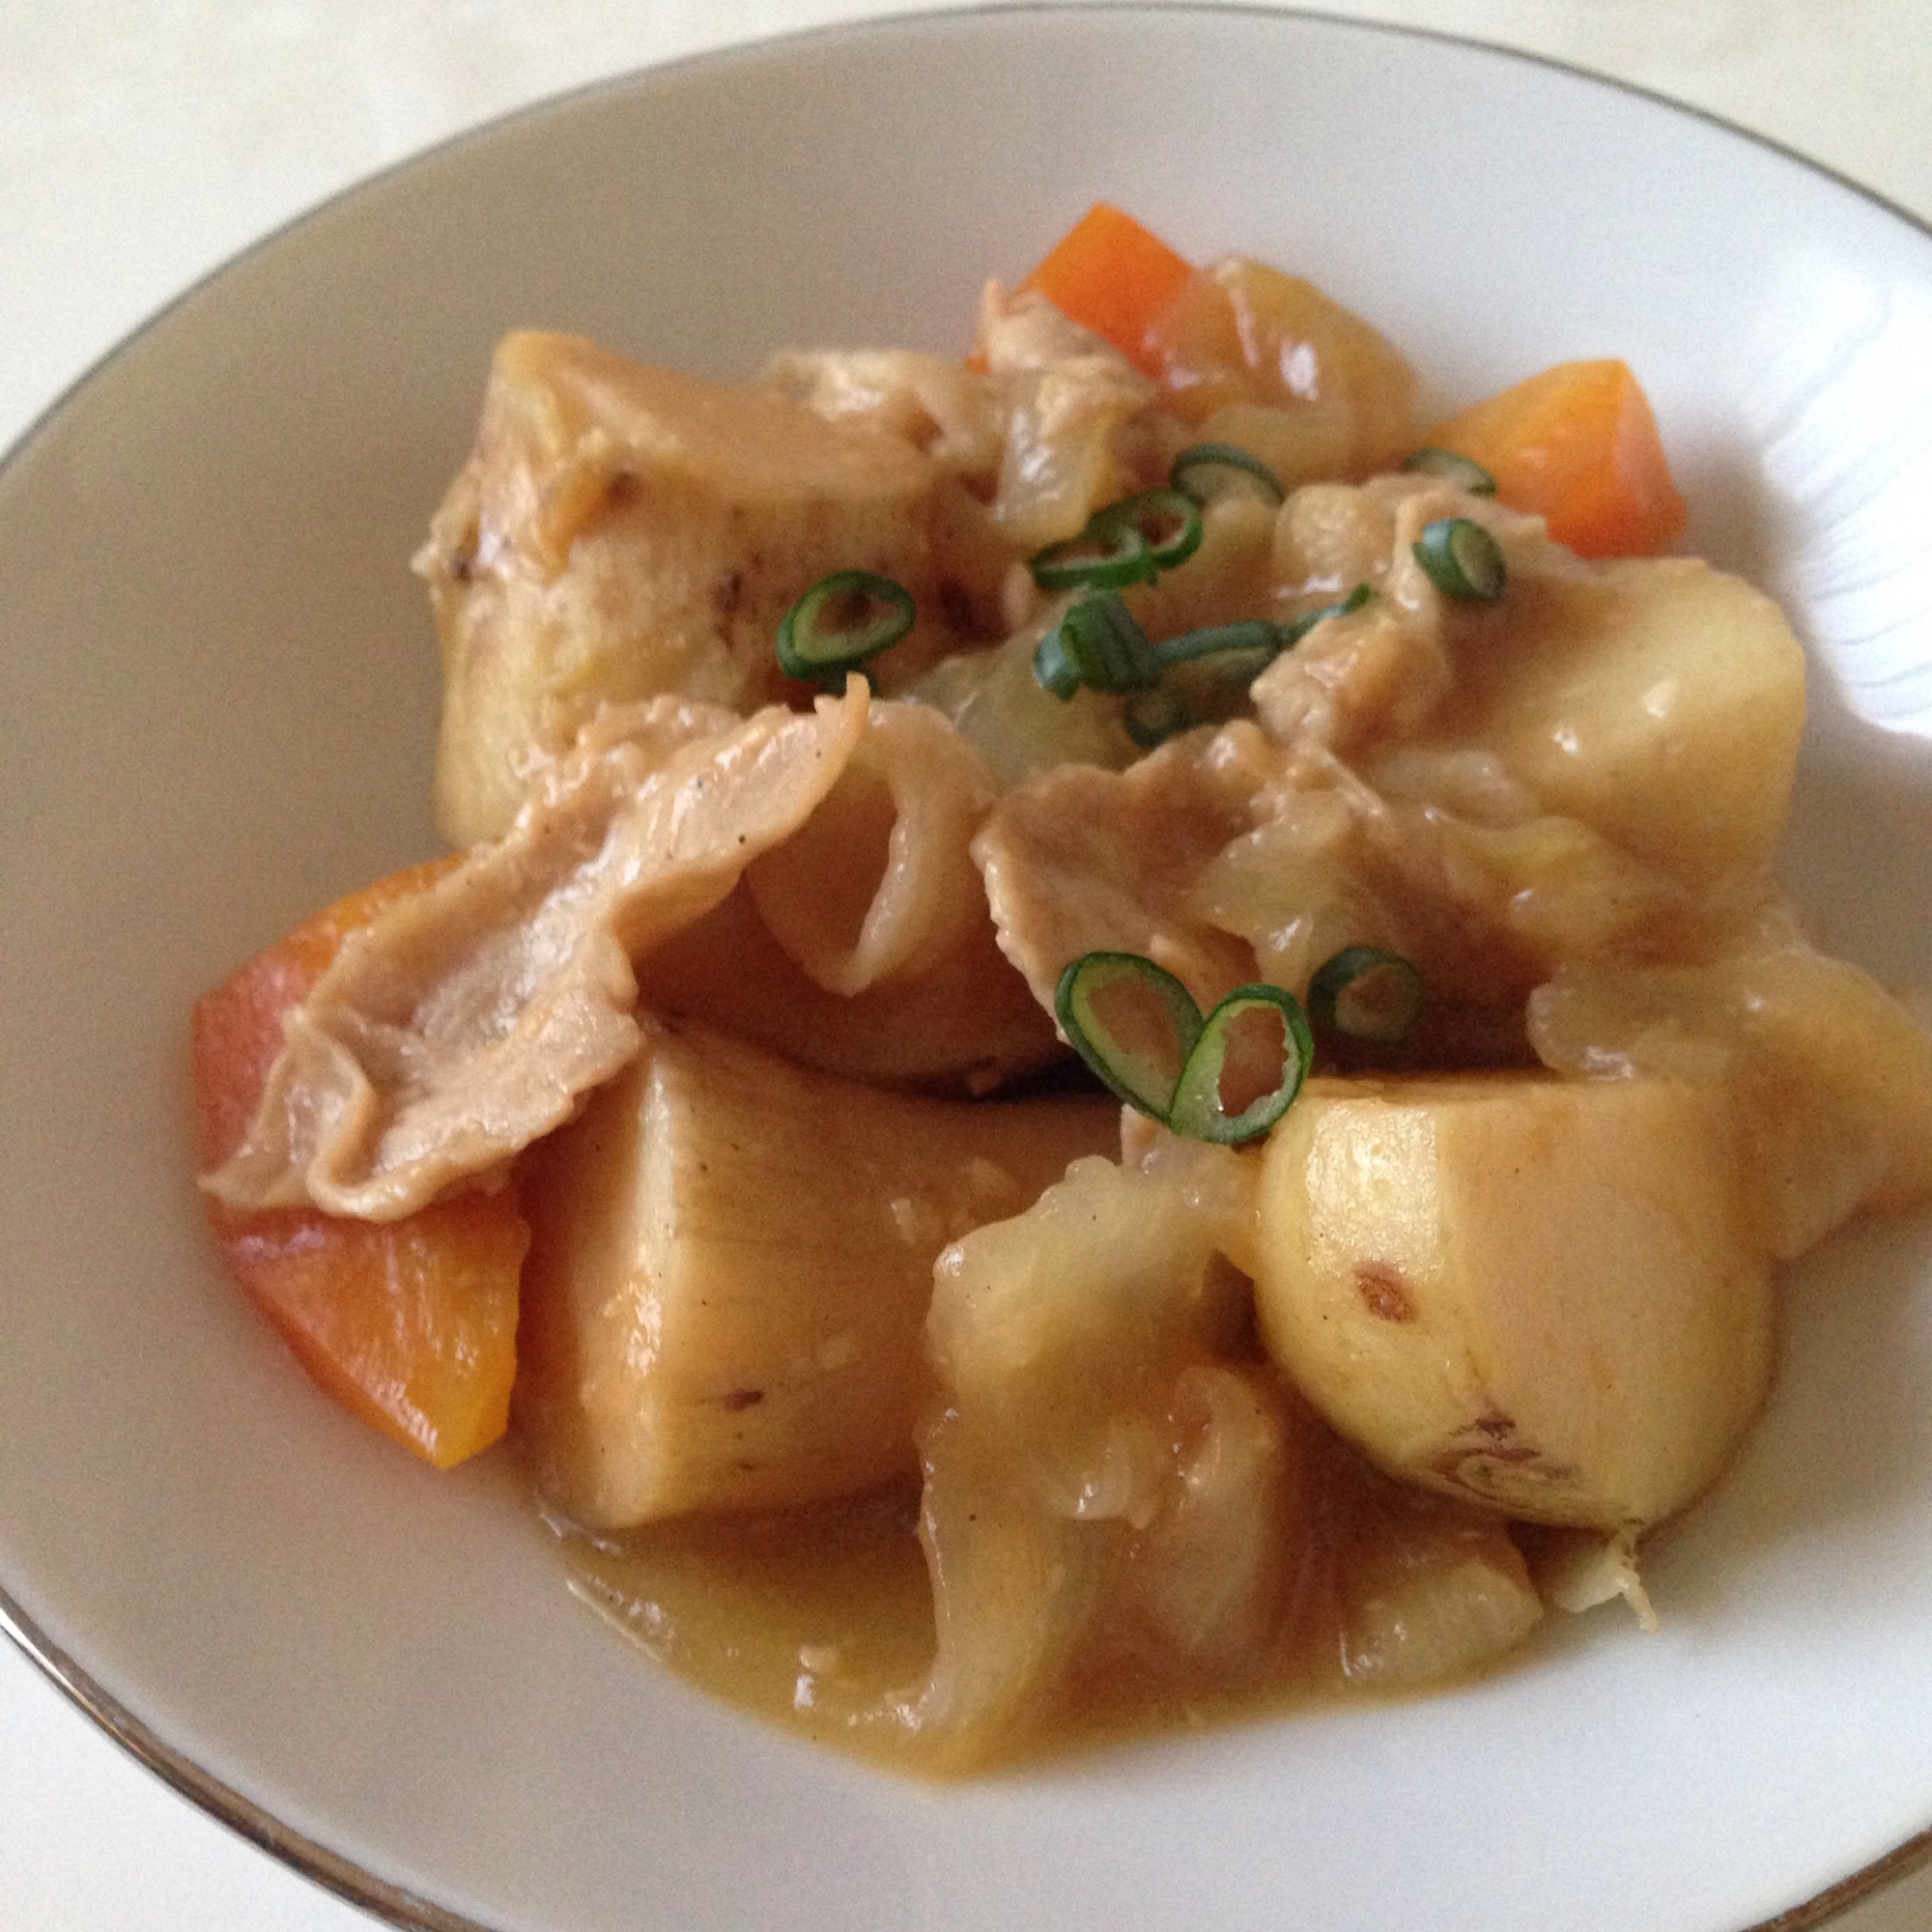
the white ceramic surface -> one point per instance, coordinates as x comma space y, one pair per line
220, 687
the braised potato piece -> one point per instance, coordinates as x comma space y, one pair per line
1654, 700
1831, 1077
621, 531
1657, 700
729, 1265
1537, 1295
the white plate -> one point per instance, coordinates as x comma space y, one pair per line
220, 686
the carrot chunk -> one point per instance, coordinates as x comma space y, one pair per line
1111, 275
1578, 446
411, 1324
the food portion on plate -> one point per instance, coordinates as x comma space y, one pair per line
1111, 1035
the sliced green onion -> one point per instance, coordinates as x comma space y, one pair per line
1197, 1109
1254, 634
1168, 520
1365, 994
1101, 557
1140, 1079
1098, 642
1297, 628
1211, 470
1461, 470
1463, 560
842, 620
1155, 716
1189, 1102
1128, 542
1209, 671
1052, 669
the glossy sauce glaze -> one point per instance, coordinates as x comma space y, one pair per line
821, 1619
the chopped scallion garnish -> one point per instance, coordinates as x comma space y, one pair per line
1199, 1110
1211, 470
1207, 674
1135, 1024
1101, 557
1365, 994
840, 623
1143, 1074
1461, 470
1098, 642
1052, 667
1254, 635
1168, 520
1463, 560
1128, 542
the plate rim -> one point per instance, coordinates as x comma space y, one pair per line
566, 98
221, 1802
298, 1851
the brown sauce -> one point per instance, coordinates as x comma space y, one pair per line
820, 1620
812, 1618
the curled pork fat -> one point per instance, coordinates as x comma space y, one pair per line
468, 1021
1083, 861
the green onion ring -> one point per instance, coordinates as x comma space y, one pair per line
1210, 672
1253, 634
1052, 669
1196, 1109
840, 623
1365, 993
1463, 560
1207, 469
1100, 558
1461, 470
1168, 523
1128, 542
1143, 1085
1098, 642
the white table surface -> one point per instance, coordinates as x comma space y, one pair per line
144, 141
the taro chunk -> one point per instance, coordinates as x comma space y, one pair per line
621, 532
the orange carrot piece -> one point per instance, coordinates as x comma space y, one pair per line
411, 1324
1577, 445
1111, 275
